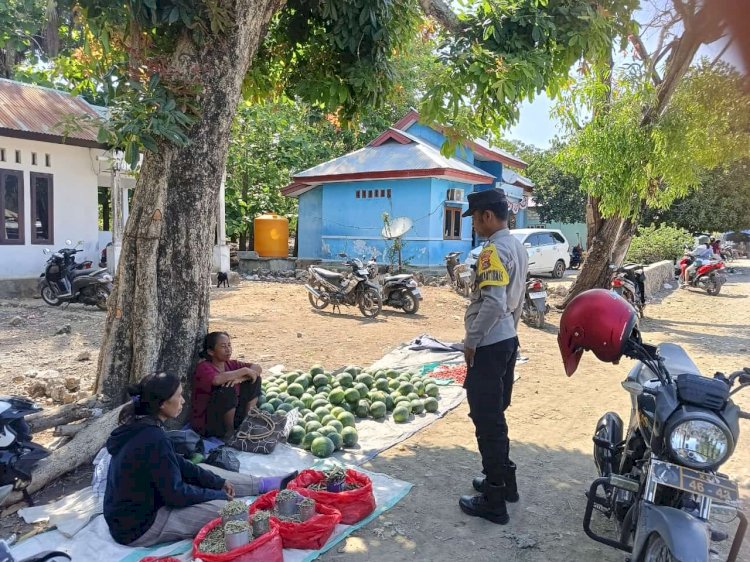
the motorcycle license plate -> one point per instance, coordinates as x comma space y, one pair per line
417, 293
539, 295
465, 274
688, 480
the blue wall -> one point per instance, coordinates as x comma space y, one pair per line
333, 220
437, 138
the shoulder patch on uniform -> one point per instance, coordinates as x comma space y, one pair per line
490, 269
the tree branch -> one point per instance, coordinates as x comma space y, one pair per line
442, 13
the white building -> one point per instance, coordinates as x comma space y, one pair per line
49, 182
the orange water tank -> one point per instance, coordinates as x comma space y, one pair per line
271, 234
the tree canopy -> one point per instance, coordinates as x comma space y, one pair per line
558, 194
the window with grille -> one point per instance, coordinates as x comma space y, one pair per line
452, 224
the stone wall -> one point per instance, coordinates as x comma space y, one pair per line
19, 288
656, 275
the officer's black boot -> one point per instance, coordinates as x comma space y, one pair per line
489, 505
509, 478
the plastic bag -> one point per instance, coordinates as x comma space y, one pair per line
308, 535
225, 458
266, 548
354, 505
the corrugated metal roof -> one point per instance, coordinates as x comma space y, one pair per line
391, 157
514, 178
36, 110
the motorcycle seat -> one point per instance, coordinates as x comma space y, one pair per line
328, 274
676, 360
79, 272
400, 277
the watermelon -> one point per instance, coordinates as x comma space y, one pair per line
382, 384
346, 406
380, 375
405, 388
353, 370
322, 447
363, 409
400, 414
313, 426
282, 386
318, 403
352, 396
261, 399
299, 404
337, 425
267, 408
413, 396
393, 384
432, 390
392, 374
310, 417
326, 430
272, 394
291, 377
328, 418
316, 370
283, 396
309, 438
347, 419
307, 399
320, 380
303, 381
419, 388
417, 406
365, 379
285, 408
336, 410
401, 399
389, 403
378, 410
296, 435
431, 404
290, 399
346, 380
349, 436
325, 390
377, 396
336, 396
337, 440
322, 411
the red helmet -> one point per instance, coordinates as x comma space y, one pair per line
596, 320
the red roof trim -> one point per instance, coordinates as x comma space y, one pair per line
413, 116
390, 134
293, 188
407, 120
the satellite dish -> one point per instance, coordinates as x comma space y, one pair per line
396, 228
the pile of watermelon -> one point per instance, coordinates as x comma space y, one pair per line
329, 405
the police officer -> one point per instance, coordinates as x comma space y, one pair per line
490, 349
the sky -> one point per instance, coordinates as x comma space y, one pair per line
537, 127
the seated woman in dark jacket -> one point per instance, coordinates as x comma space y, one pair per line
154, 495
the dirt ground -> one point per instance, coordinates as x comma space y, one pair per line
551, 418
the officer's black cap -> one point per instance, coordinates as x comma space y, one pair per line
487, 199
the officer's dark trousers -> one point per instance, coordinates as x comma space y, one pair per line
489, 385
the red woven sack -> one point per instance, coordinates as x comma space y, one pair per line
354, 505
267, 548
160, 559
308, 535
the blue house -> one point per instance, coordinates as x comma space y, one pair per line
342, 202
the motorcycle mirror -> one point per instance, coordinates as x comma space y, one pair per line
633, 387
612, 266
527, 244
46, 251
68, 242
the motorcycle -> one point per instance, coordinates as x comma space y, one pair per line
629, 282
576, 256
18, 455
709, 276
398, 291
87, 286
354, 289
535, 303
458, 273
660, 482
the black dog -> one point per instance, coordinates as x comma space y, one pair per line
223, 279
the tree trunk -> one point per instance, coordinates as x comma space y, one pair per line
65, 414
158, 311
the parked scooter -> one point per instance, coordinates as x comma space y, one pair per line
354, 289
18, 455
458, 273
659, 477
399, 291
65, 281
710, 276
629, 281
535, 305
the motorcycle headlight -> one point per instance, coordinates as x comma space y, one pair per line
700, 443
